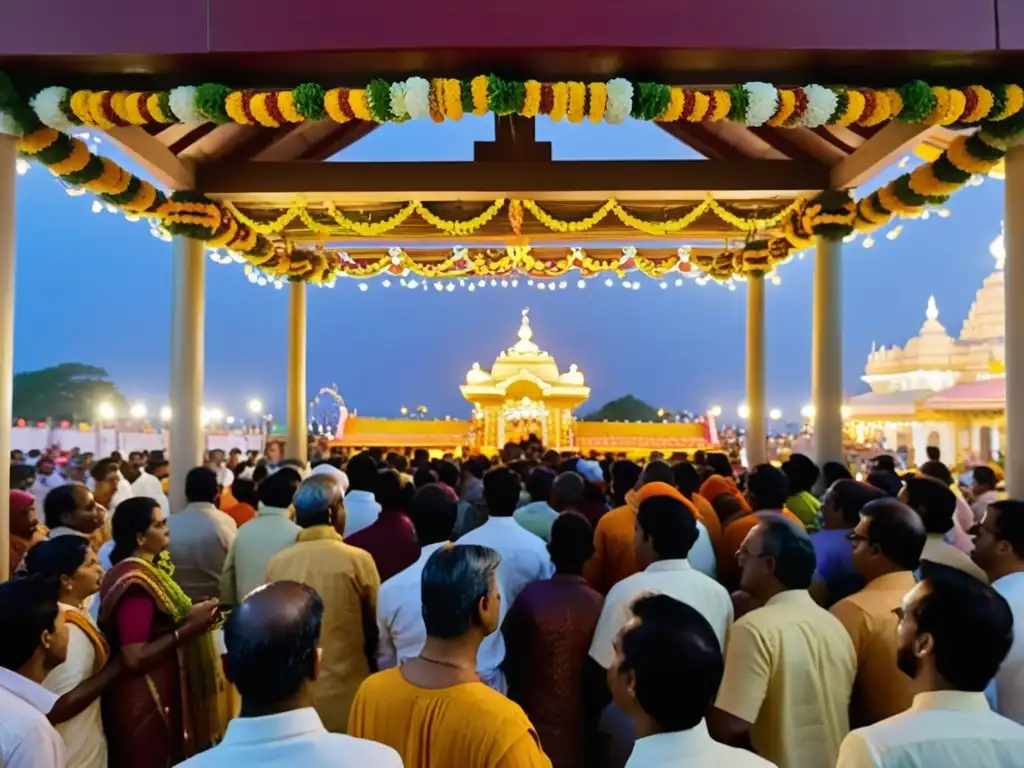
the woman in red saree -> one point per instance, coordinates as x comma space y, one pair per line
171, 702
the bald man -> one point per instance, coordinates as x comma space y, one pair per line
272, 658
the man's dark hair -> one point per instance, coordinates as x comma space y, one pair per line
657, 471
392, 494
424, 476
154, 465
972, 627
833, 471
201, 485
539, 483
686, 479
769, 486
669, 525
362, 473
279, 488
501, 492
60, 501
792, 550
433, 513
475, 466
22, 476
571, 543
984, 475
455, 578
314, 501
719, 464
897, 530
888, 483
933, 501
933, 453
102, 469
625, 475
245, 492
216, 452
420, 457
801, 472
1009, 524
448, 474
884, 463
568, 491
938, 470
676, 661
132, 455
270, 654
28, 607
398, 462
850, 496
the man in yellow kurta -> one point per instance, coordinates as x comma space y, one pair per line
346, 578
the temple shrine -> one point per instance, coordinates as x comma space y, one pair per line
938, 390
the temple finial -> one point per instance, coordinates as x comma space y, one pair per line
932, 313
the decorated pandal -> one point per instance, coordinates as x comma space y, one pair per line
523, 394
938, 390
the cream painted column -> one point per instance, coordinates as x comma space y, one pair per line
756, 444
188, 313
297, 420
8, 155
827, 353
1013, 276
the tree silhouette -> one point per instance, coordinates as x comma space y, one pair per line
628, 408
67, 391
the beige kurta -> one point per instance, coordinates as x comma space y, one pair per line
346, 579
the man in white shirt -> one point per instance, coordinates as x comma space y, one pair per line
46, 480
667, 668
665, 534
225, 477
524, 559
983, 490
272, 659
400, 626
201, 536
33, 641
149, 484
256, 543
953, 633
361, 507
936, 504
999, 550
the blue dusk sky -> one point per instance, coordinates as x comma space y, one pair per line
95, 288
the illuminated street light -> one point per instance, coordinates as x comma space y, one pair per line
743, 411
106, 411
808, 411
846, 411
774, 414
256, 406
165, 413
230, 420
216, 415
404, 411
137, 411
716, 411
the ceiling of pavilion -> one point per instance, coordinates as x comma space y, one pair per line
212, 148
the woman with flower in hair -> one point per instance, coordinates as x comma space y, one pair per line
171, 701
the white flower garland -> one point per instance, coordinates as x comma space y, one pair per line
183, 104
620, 100
47, 103
821, 103
398, 108
762, 103
417, 98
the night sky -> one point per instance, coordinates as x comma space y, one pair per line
95, 288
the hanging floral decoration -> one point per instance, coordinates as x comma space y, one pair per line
830, 215
931, 184
612, 101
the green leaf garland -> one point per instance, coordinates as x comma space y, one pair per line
378, 98
309, 101
211, 99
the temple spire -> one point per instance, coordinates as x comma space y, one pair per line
932, 313
525, 344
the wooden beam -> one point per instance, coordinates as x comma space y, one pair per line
801, 144
698, 138
877, 152
254, 144
652, 180
343, 136
163, 165
515, 140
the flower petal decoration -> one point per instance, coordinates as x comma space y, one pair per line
48, 106
821, 104
620, 100
762, 102
417, 98
182, 101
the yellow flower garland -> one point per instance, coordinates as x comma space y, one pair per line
577, 96
855, 104
676, 103
453, 99
598, 101
358, 104
332, 105
258, 108
531, 99
478, 90
460, 228
701, 103
723, 105
153, 107
74, 162
561, 102
233, 106
787, 103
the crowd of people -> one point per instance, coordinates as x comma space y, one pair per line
526, 610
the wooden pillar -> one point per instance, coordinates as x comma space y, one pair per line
188, 312
827, 353
756, 442
1013, 444
8, 155
297, 419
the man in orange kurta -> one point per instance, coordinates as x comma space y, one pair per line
614, 554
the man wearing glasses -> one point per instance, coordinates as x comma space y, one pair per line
887, 545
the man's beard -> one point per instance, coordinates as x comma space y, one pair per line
906, 661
